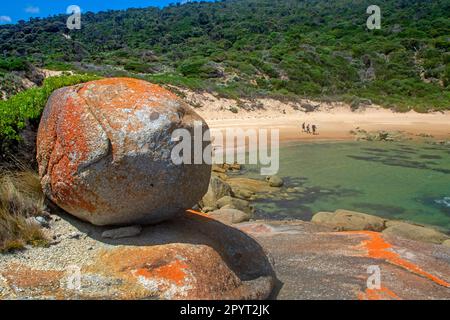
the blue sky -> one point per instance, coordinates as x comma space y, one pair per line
12, 11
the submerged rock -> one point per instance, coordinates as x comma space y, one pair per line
104, 152
275, 181
361, 134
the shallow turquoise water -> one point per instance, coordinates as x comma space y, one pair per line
408, 181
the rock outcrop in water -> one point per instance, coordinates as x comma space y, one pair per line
104, 152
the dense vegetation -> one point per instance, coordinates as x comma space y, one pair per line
314, 48
27, 106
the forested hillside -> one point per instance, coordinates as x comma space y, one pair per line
289, 48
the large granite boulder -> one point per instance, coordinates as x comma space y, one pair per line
104, 152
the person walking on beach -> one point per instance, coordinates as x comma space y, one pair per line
308, 130
314, 128
303, 127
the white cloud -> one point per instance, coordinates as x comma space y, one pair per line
5, 19
31, 9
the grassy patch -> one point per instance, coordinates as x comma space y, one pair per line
21, 197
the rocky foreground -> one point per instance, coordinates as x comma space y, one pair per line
197, 257
314, 262
104, 160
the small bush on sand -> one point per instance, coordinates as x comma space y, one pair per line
21, 197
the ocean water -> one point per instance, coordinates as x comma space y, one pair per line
408, 181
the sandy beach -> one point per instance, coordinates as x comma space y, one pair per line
337, 124
334, 120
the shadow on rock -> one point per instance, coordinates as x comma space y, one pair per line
189, 257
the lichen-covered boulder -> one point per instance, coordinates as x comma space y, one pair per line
104, 152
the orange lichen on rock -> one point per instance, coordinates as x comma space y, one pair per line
138, 86
174, 271
104, 150
378, 294
378, 248
22, 277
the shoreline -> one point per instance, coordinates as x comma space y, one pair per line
335, 121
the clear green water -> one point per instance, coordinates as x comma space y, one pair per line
408, 181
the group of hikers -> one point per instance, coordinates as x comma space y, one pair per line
309, 128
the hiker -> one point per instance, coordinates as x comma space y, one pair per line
303, 127
308, 130
314, 128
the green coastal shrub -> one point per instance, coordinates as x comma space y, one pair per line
28, 105
13, 64
138, 67
197, 68
311, 49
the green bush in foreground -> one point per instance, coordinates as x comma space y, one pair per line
28, 105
